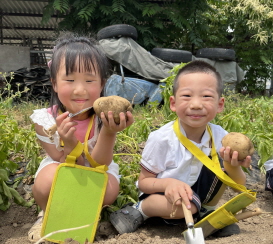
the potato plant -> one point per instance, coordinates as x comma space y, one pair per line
17, 144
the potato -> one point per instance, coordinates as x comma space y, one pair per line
115, 104
240, 143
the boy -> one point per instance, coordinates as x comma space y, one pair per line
169, 171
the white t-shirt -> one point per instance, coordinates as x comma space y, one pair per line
166, 157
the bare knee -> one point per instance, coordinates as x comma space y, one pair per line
157, 205
112, 190
42, 185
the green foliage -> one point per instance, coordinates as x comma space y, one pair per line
236, 25
61, 5
158, 24
168, 91
257, 12
17, 144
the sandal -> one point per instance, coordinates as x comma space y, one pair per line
126, 220
34, 234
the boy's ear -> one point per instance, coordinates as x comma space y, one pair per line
221, 105
172, 103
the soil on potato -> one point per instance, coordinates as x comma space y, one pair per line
15, 223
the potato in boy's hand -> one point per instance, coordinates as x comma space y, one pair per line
115, 104
240, 143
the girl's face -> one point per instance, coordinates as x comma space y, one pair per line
196, 101
77, 90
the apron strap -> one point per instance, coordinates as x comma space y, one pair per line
77, 151
212, 164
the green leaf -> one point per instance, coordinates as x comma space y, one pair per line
19, 200
7, 190
3, 175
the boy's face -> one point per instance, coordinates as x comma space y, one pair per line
196, 101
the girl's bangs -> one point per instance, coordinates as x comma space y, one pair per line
80, 60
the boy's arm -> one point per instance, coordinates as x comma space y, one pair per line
103, 150
234, 167
172, 188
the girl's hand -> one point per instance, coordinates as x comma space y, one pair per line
176, 189
233, 159
111, 127
66, 130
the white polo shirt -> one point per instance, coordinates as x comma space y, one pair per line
166, 157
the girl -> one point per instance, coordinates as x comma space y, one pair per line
78, 71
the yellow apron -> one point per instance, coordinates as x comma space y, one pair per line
76, 197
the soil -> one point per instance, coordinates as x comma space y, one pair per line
17, 220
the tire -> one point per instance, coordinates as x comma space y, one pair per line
172, 55
117, 31
216, 54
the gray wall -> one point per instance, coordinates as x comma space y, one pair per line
13, 58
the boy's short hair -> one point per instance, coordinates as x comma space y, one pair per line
199, 66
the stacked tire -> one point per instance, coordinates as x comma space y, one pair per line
117, 31
216, 54
172, 55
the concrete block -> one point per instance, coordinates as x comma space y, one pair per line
14, 57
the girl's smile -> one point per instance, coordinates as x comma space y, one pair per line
80, 100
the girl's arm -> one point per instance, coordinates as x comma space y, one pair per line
66, 132
50, 149
103, 150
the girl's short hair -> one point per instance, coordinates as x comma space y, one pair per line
199, 66
80, 53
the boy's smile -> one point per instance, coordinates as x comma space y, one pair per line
196, 101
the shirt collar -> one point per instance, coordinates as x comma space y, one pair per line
205, 141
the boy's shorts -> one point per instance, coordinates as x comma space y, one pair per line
204, 190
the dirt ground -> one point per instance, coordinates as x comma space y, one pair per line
15, 223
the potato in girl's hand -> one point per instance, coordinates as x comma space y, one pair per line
240, 143
115, 104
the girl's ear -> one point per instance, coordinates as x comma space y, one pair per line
172, 103
221, 105
102, 84
54, 85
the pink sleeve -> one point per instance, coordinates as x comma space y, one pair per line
49, 110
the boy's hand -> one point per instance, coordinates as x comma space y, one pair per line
233, 159
176, 189
111, 126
